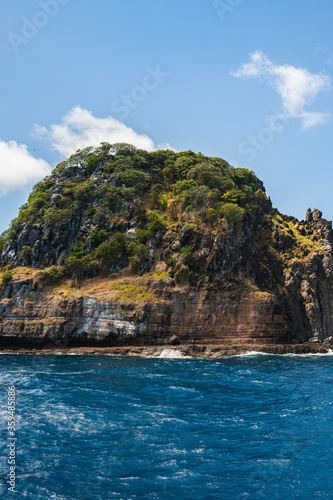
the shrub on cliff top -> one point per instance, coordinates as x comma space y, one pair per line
134, 178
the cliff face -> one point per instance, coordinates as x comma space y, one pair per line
123, 247
83, 317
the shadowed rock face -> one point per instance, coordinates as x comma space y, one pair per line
233, 273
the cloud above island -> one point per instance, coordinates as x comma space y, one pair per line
19, 167
79, 128
297, 87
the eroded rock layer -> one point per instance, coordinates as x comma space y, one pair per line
34, 318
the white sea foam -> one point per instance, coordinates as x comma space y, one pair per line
180, 388
290, 354
329, 353
172, 354
253, 353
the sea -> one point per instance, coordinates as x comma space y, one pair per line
105, 427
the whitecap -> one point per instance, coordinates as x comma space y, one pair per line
180, 388
254, 353
309, 354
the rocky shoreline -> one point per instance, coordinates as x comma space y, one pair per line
180, 351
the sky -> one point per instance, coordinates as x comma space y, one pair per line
250, 81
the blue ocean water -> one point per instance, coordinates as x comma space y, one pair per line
103, 427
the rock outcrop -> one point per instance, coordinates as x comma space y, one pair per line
122, 247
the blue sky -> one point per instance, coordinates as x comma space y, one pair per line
250, 81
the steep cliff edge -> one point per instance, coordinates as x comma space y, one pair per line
124, 247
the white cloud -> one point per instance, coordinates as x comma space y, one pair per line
18, 167
79, 128
297, 87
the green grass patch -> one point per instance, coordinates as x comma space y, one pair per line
130, 293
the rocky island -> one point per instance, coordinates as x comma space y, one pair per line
160, 253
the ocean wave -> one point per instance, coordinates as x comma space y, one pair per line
254, 353
309, 354
273, 354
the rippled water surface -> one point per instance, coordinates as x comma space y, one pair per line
101, 427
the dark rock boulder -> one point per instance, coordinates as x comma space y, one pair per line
317, 214
308, 216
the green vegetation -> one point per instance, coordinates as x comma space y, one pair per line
7, 276
108, 252
233, 214
181, 265
97, 237
155, 225
2, 243
138, 252
25, 255
301, 245
194, 179
130, 293
50, 276
117, 189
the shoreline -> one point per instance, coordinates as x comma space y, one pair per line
179, 351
